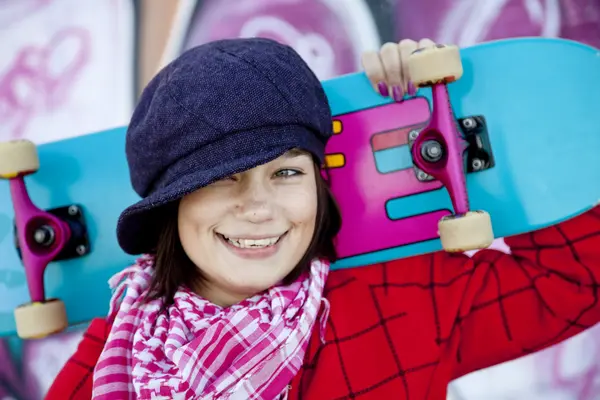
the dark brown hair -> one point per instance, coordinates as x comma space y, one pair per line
173, 267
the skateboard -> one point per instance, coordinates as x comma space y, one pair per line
501, 139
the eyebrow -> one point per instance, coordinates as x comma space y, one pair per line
295, 153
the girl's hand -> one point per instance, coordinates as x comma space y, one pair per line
388, 69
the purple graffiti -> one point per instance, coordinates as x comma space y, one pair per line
10, 382
28, 368
14, 11
583, 383
466, 22
314, 28
40, 78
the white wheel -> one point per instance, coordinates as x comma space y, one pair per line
18, 157
435, 64
38, 320
472, 231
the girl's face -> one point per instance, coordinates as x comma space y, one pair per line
248, 232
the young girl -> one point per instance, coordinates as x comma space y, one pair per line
233, 298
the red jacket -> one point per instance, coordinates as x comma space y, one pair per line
406, 328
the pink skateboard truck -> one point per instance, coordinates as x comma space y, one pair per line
437, 150
40, 238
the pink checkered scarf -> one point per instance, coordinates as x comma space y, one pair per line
196, 350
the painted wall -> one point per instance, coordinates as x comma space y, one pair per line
70, 67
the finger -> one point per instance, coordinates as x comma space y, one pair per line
426, 43
406, 48
390, 59
374, 70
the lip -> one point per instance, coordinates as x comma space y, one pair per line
253, 254
253, 237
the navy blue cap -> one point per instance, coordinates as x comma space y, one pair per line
218, 109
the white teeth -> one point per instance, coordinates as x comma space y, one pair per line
251, 243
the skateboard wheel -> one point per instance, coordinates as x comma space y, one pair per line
435, 64
18, 157
38, 320
471, 231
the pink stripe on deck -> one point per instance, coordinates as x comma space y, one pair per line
387, 140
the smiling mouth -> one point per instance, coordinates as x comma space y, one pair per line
261, 243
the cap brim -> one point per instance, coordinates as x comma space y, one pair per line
138, 227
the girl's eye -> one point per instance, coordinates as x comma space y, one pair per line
287, 173
231, 178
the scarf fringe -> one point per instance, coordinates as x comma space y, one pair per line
324, 318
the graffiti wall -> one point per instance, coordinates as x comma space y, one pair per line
70, 67
66, 68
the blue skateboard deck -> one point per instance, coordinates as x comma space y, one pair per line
539, 98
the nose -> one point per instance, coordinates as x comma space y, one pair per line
255, 203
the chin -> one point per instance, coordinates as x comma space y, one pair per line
258, 278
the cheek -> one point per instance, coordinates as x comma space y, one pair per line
194, 216
301, 207
188, 231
